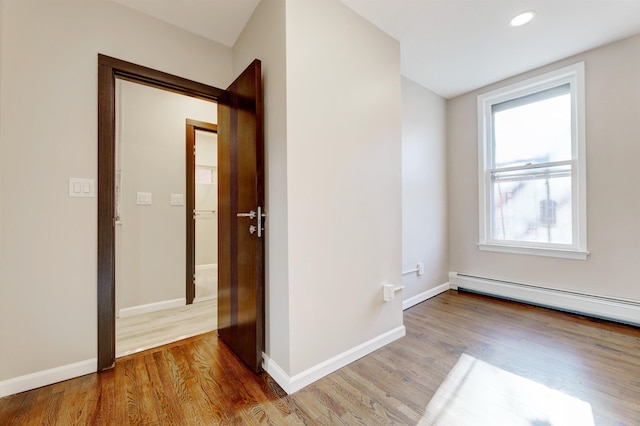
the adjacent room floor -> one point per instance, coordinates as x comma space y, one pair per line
140, 332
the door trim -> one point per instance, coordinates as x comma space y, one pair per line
192, 126
108, 70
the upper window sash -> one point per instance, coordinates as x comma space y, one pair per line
536, 96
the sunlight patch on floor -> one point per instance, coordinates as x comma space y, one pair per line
477, 393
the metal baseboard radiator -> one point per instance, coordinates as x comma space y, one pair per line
620, 310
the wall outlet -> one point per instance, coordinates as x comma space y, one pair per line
388, 292
420, 268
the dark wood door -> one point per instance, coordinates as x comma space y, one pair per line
240, 225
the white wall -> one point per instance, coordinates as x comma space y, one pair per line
343, 180
424, 190
333, 148
49, 133
264, 38
2, 299
150, 243
612, 112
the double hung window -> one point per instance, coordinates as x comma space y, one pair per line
532, 166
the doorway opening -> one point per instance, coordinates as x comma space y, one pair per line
240, 203
153, 178
109, 70
202, 200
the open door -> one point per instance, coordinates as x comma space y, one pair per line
241, 217
240, 153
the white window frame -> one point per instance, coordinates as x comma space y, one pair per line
574, 75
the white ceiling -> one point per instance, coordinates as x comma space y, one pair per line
447, 46
218, 20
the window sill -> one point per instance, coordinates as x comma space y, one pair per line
535, 251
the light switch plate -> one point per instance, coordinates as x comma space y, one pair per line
177, 199
144, 198
82, 188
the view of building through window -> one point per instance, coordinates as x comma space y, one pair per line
531, 168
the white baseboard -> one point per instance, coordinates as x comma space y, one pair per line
412, 301
276, 373
47, 377
626, 311
206, 266
151, 307
293, 384
204, 299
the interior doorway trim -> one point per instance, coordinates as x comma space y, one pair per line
192, 126
109, 69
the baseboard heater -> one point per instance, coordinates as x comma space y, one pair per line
620, 310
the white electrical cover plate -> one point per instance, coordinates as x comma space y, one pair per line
143, 198
177, 199
82, 188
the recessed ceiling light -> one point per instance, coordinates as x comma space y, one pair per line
522, 18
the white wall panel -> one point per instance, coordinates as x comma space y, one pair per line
424, 190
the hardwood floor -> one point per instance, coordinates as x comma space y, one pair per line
141, 332
465, 357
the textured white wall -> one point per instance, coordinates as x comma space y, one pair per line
49, 132
150, 243
424, 189
612, 111
343, 180
2, 280
332, 102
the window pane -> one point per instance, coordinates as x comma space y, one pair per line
532, 205
533, 132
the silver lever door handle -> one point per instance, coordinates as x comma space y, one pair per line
260, 221
250, 215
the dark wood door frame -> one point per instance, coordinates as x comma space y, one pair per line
109, 69
192, 126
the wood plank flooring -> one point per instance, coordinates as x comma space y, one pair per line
459, 349
145, 331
